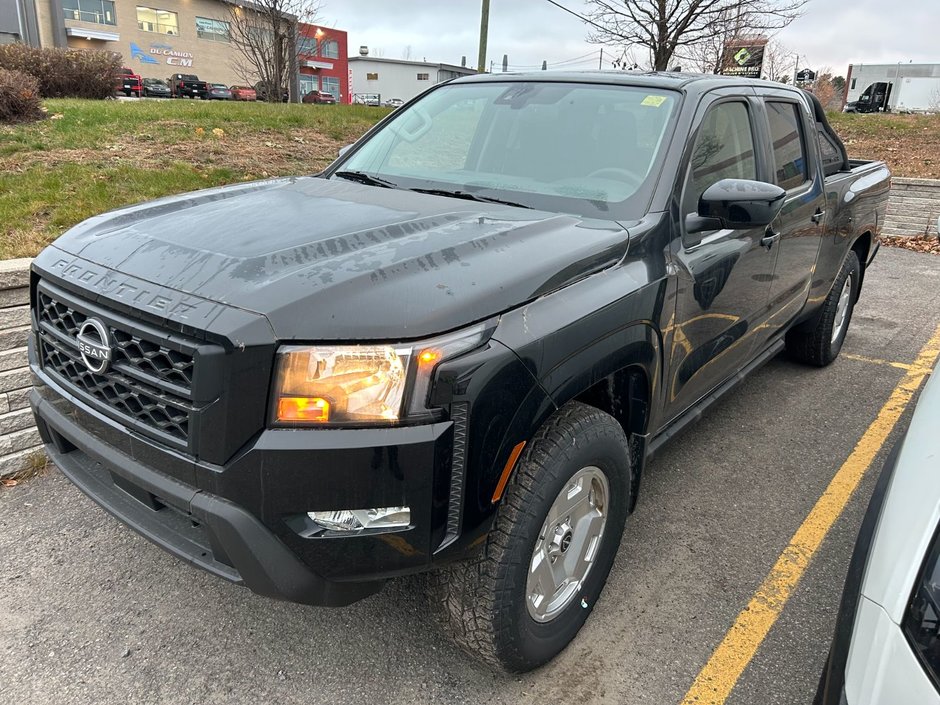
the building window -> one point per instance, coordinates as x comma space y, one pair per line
214, 30
329, 49
330, 84
159, 21
97, 11
372, 77
853, 84
308, 83
424, 77
307, 46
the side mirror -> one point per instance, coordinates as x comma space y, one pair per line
344, 149
735, 204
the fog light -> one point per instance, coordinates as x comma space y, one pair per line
357, 519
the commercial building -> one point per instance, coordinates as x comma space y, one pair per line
18, 22
157, 38
394, 78
323, 64
914, 87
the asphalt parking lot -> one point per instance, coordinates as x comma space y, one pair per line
92, 613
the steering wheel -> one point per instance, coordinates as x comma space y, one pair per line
618, 175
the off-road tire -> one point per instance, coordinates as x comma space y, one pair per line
812, 342
482, 601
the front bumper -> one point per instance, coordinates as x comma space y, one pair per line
235, 520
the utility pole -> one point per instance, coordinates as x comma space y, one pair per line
600, 63
484, 29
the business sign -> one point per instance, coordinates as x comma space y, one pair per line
805, 76
158, 53
743, 57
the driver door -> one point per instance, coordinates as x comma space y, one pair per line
724, 276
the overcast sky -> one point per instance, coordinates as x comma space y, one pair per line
833, 33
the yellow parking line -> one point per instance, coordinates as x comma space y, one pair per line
877, 361
715, 681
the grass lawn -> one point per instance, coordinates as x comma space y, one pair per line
92, 156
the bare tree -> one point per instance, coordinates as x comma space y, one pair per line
668, 28
264, 34
779, 63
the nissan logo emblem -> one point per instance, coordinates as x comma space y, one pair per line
94, 344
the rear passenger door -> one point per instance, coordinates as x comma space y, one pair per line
800, 225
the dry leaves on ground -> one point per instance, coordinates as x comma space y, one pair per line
917, 243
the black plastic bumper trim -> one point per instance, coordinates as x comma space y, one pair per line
251, 555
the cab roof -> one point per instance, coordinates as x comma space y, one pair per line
686, 82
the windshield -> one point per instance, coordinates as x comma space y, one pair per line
587, 149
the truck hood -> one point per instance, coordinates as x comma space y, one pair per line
329, 260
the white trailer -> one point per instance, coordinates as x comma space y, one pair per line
916, 95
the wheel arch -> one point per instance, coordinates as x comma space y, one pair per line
617, 374
627, 396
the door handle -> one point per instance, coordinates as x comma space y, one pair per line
818, 216
770, 237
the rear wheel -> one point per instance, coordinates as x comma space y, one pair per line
548, 555
818, 341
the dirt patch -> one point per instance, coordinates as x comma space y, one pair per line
910, 144
254, 156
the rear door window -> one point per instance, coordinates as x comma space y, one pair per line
789, 147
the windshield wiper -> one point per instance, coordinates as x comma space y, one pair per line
363, 178
468, 196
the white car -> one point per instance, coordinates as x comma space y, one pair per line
886, 649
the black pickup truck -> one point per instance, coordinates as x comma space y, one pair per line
187, 85
454, 350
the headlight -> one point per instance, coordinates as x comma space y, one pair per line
328, 385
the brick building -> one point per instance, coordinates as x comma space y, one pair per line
323, 63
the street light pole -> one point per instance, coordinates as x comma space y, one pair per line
484, 29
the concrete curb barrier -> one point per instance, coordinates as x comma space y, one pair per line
20, 447
913, 207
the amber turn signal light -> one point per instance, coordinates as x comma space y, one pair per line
306, 409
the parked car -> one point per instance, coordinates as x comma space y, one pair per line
454, 363
218, 91
155, 88
886, 647
319, 97
187, 85
128, 82
394, 103
262, 91
243, 93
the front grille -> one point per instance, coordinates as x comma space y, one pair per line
148, 384
131, 350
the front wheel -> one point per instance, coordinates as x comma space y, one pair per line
819, 340
548, 555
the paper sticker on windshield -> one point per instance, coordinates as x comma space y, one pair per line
654, 101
